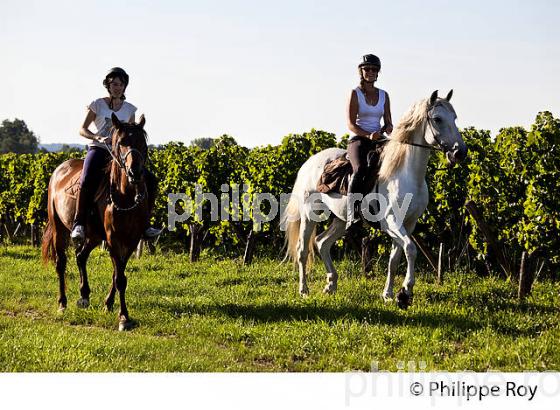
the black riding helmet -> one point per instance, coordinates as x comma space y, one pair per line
370, 59
114, 73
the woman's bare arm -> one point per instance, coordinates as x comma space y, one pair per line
84, 130
387, 120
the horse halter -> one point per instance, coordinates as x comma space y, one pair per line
121, 163
438, 147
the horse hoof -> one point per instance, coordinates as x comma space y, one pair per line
61, 309
404, 300
329, 290
82, 303
126, 324
387, 298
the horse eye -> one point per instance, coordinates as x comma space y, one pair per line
437, 120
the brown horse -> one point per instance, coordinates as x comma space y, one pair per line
119, 215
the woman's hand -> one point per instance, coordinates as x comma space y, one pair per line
374, 136
102, 139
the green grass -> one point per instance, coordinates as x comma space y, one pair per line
216, 315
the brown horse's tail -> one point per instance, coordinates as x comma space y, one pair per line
47, 248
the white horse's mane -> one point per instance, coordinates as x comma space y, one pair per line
395, 152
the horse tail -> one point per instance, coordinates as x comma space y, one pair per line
291, 221
47, 247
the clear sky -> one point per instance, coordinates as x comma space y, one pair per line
259, 70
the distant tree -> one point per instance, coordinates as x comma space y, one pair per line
16, 137
204, 143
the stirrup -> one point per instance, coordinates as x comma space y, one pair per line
352, 216
152, 233
78, 233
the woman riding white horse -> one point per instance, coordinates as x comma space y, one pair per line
402, 192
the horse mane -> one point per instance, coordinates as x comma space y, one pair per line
394, 152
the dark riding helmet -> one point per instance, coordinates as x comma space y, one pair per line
113, 73
370, 59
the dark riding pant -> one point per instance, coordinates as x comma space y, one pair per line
94, 170
358, 149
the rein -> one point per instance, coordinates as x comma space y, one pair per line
438, 147
138, 198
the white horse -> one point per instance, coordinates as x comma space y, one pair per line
429, 124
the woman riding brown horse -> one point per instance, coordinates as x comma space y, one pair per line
121, 207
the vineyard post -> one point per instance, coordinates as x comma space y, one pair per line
139, 249
367, 259
196, 233
249, 248
33, 236
526, 276
426, 251
440, 265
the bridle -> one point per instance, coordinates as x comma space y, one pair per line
428, 123
121, 163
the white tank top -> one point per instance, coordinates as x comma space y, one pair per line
369, 116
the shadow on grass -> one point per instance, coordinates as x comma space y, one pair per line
271, 313
24, 255
283, 312
495, 300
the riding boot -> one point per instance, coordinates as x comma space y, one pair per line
78, 228
353, 207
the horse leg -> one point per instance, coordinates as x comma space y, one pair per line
60, 263
120, 282
410, 252
82, 255
394, 259
110, 298
404, 297
302, 252
405, 294
400, 235
324, 243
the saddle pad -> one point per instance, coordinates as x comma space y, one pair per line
73, 189
335, 176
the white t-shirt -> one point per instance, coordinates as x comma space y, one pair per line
103, 121
369, 116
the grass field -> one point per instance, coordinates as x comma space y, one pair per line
216, 315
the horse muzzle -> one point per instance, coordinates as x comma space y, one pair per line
457, 154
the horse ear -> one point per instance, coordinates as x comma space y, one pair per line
433, 97
142, 121
116, 122
449, 94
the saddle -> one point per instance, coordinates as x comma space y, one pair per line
336, 174
73, 189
